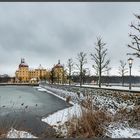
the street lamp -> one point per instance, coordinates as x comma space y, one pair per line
130, 61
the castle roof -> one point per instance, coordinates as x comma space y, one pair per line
23, 63
58, 65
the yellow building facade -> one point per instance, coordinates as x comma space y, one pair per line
25, 75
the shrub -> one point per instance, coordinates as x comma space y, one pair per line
90, 124
132, 115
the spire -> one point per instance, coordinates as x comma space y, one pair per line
22, 60
59, 61
23, 63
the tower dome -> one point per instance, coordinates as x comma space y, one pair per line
23, 63
58, 65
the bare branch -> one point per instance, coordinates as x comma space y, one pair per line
133, 47
135, 43
133, 26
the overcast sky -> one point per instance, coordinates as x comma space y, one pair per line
42, 33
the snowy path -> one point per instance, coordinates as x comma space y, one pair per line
114, 87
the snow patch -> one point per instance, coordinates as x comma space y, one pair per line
62, 116
13, 133
41, 89
122, 131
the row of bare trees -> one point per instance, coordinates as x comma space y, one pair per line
101, 62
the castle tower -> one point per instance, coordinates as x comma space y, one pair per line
23, 72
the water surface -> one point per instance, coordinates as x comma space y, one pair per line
26, 106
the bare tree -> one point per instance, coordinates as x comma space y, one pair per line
99, 57
107, 70
70, 65
135, 37
82, 61
122, 70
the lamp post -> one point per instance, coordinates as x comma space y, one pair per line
130, 61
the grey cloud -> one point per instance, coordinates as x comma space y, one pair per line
46, 32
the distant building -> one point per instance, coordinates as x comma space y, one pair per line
24, 74
6, 79
58, 74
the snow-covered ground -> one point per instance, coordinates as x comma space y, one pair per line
13, 133
60, 117
122, 131
109, 102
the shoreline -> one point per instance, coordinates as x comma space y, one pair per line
18, 84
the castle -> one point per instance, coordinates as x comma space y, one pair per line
24, 74
56, 75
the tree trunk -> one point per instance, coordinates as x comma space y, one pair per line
100, 68
69, 76
81, 69
122, 80
80, 79
69, 80
100, 78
